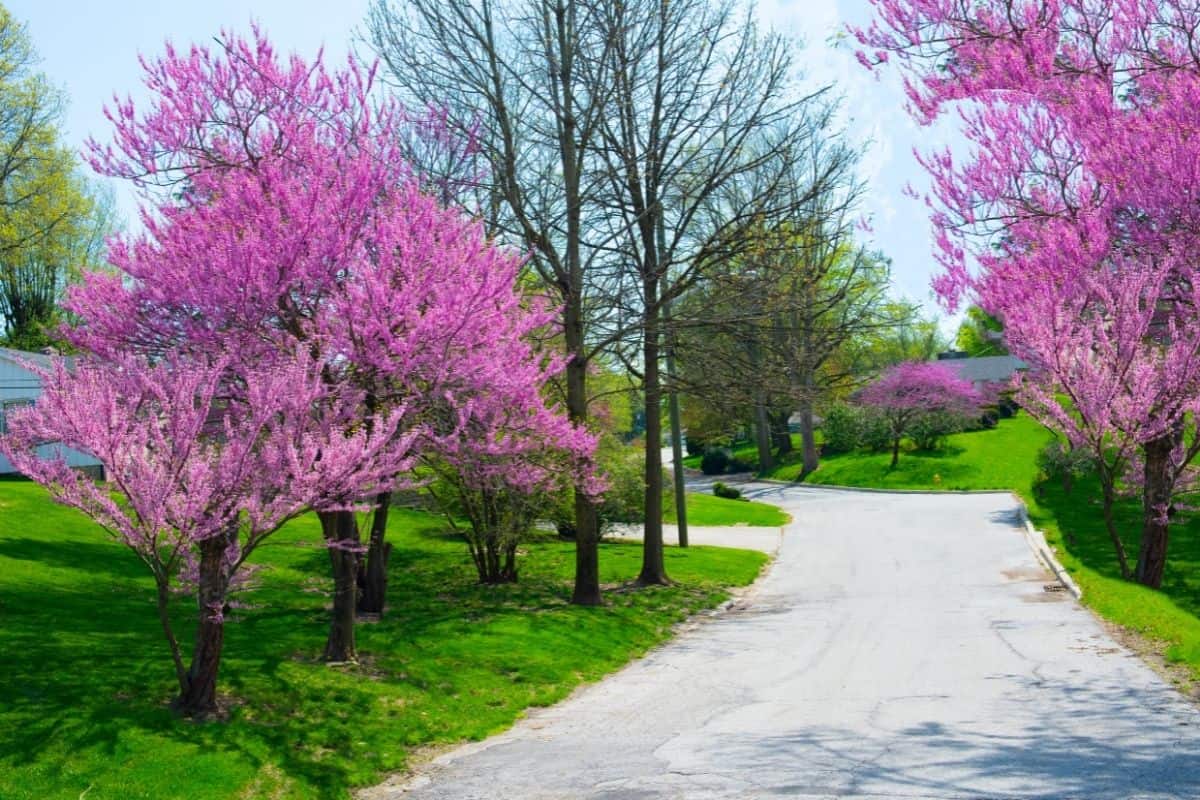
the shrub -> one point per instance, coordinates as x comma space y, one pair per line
726, 491
874, 432
715, 461
1064, 462
928, 431
624, 500
842, 428
737, 465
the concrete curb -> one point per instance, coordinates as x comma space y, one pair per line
1041, 549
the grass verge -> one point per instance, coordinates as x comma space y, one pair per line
707, 509
1001, 458
87, 675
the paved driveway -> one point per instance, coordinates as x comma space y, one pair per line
902, 646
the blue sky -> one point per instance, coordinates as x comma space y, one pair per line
90, 49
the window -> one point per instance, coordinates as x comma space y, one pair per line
8, 405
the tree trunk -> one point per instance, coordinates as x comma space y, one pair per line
508, 572
587, 553
895, 451
654, 571
762, 436
199, 694
781, 435
373, 570
808, 439
1110, 524
586, 530
1156, 502
341, 537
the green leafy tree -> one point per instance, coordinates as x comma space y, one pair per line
980, 334
52, 224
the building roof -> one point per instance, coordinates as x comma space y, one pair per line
985, 368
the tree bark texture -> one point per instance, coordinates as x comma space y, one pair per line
1156, 501
654, 570
808, 439
340, 529
373, 569
198, 695
762, 436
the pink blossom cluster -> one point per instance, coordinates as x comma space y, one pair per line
916, 386
296, 323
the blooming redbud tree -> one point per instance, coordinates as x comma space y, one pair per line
209, 457
907, 392
507, 466
280, 208
1074, 220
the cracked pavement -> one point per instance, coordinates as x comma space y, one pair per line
901, 646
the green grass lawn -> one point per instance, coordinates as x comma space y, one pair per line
707, 509
1169, 618
1001, 458
86, 674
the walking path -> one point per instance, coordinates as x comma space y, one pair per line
902, 646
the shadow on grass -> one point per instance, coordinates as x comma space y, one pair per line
86, 674
86, 557
1079, 518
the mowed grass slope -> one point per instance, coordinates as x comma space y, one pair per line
707, 509
1004, 457
86, 674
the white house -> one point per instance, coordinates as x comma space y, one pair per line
20, 387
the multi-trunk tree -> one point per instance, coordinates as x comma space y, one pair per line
1074, 220
914, 390
209, 456
281, 210
631, 148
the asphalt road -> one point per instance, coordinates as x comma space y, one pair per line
902, 646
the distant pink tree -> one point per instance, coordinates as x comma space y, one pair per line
909, 391
1074, 220
208, 458
280, 207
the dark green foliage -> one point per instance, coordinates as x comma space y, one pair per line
715, 461
874, 433
740, 465
726, 491
842, 429
1065, 463
930, 430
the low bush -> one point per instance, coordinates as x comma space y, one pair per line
930, 430
726, 491
1066, 463
841, 427
874, 433
738, 465
715, 461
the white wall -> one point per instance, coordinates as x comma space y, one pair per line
17, 383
